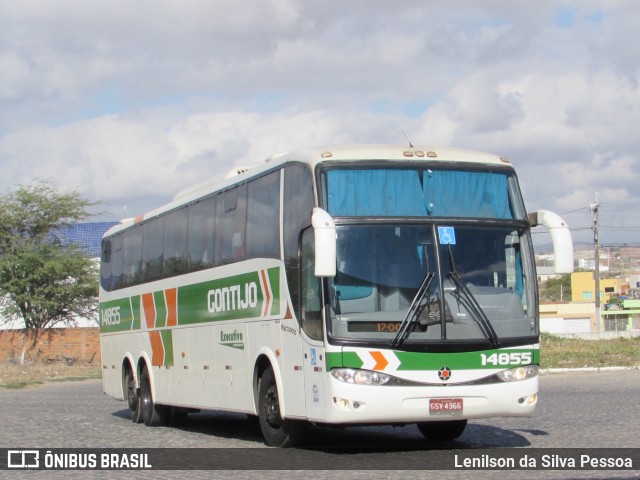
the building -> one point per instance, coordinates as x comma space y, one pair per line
87, 235
583, 287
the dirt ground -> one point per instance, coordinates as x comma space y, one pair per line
15, 375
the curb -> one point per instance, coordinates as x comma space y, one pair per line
551, 371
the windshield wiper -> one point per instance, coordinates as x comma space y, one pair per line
472, 304
416, 308
474, 308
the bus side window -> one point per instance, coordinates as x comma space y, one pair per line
105, 265
200, 234
152, 249
117, 257
298, 201
111, 266
263, 217
311, 293
131, 263
175, 243
229, 230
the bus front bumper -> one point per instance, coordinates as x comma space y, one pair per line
368, 404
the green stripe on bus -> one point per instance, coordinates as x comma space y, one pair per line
343, 359
167, 342
489, 359
274, 280
161, 309
116, 316
135, 312
417, 361
230, 298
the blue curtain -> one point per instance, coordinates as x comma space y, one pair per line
441, 193
454, 193
384, 193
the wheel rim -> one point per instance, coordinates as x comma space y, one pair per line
272, 408
131, 394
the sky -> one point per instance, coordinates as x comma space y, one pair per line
130, 102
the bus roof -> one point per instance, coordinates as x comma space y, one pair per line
313, 156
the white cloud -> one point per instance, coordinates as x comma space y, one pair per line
135, 101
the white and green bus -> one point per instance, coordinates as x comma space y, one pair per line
351, 285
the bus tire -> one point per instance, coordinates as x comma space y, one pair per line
153, 415
133, 399
442, 431
276, 431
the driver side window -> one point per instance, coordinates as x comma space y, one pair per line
310, 291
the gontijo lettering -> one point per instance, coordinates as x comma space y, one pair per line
232, 298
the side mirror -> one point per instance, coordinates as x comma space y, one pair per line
324, 230
560, 236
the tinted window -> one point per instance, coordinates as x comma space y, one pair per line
200, 234
231, 218
132, 244
263, 217
111, 266
152, 249
175, 242
297, 204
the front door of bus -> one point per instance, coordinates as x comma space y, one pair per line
313, 332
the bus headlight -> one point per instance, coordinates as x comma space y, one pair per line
519, 373
359, 377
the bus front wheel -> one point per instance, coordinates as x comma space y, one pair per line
276, 431
442, 431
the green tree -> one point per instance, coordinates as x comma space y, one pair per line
43, 282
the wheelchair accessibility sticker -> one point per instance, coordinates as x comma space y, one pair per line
447, 235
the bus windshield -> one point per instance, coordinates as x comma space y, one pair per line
429, 253
475, 284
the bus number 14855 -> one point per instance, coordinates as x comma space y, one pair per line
502, 359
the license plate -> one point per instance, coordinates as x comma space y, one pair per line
445, 406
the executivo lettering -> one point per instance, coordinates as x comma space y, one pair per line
233, 298
232, 339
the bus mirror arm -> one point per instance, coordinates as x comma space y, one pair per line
324, 229
560, 236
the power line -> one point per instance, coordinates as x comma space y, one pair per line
574, 211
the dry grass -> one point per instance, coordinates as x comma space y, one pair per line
560, 352
14, 375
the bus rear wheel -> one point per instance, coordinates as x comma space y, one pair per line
153, 415
442, 431
132, 397
277, 432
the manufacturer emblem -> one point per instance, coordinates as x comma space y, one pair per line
444, 373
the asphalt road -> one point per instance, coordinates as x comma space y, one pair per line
576, 410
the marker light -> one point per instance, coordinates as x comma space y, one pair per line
359, 377
519, 373
341, 403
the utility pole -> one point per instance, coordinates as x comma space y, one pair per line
596, 247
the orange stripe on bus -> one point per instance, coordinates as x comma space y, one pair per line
380, 359
171, 297
149, 309
267, 293
157, 348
